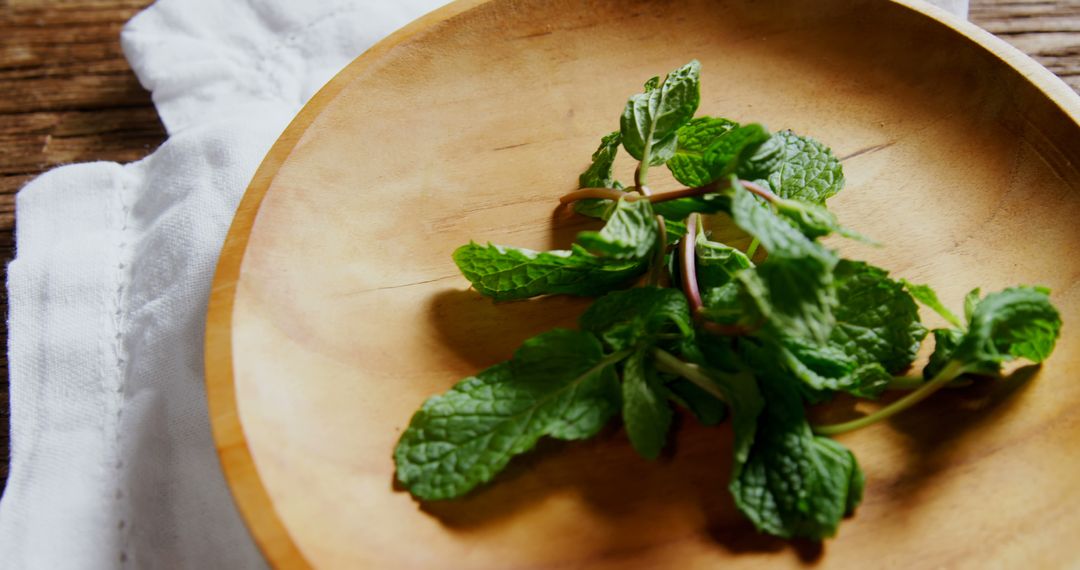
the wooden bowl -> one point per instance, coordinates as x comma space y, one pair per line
336, 309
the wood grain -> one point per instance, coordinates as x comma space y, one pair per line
70, 96
1047, 31
323, 339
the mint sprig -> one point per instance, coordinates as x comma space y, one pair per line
723, 332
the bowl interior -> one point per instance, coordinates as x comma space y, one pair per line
348, 311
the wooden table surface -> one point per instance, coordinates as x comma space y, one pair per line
69, 95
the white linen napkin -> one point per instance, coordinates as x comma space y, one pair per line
113, 464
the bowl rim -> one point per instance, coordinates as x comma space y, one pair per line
237, 463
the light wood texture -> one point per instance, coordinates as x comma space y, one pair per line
337, 311
69, 95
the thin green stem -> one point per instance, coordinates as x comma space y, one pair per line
952, 370
610, 359
642, 172
753, 247
671, 364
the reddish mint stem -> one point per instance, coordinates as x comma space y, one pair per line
688, 274
688, 266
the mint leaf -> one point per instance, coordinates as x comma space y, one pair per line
680, 208
619, 252
945, 343
778, 235
1018, 322
646, 412
926, 295
709, 149
717, 266
765, 158
804, 169
793, 289
728, 151
674, 229
634, 317
506, 273
599, 174
970, 301
694, 138
726, 305
745, 402
595, 208
718, 263
877, 321
651, 119
794, 483
630, 232
877, 333
558, 384
814, 220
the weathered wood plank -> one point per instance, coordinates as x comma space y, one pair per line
1047, 31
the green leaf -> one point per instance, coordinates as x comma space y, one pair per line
1019, 322
877, 333
694, 138
598, 208
827, 369
652, 119
815, 221
740, 389
680, 208
506, 273
805, 170
674, 229
794, 483
778, 235
630, 232
877, 321
945, 343
745, 402
599, 174
793, 289
710, 148
927, 296
718, 263
634, 317
970, 301
558, 384
765, 158
726, 305
646, 412
725, 155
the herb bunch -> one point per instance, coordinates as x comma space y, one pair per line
709, 329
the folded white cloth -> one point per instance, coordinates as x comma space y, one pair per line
113, 463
